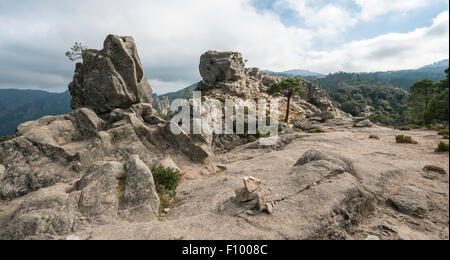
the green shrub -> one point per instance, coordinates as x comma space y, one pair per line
404, 139
444, 133
318, 130
442, 147
166, 182
404, 128
324, 119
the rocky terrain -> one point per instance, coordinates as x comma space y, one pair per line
87, 174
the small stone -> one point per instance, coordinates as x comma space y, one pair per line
252, 184
167, 211
250, 213
372, 238
269, 208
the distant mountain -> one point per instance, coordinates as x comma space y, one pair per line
295, 73
179, 94
403, 79
18, 106
439, 64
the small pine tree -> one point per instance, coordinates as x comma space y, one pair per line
290, 88
76, 52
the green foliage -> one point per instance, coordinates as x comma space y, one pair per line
442, 147
5, 138
389, 103
404, 128
166, 180
187, 94
76, 52
351, 107
318, 130
324, 119
419, 99
290, 88
405, 139
444, 133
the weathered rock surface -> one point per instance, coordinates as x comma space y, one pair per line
109, 123
321, 197
411, 201
101, 196
62, 148
140, 202
110, 78
365, 123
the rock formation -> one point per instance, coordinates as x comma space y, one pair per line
110, 78
87, 174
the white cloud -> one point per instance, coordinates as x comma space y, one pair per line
171, 36
373, 8
329, 19
388, 52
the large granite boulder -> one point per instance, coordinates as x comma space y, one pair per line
221, 66
110, 78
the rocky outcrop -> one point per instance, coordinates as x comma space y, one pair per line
109, 192
111, 126
221, 66
162, 105
110, 78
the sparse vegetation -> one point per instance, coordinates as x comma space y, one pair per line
444, 133
5, 138
442, 147
374, 137
405, 139
324, 119
76, 52
166, 182
122, 183
318, 130
404, 128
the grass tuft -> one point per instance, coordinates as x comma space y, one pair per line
405, 139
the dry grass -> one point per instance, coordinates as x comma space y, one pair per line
405, 139
374, 137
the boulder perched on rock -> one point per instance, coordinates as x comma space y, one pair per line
110, 78
221, 66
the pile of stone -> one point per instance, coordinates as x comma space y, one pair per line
252, 191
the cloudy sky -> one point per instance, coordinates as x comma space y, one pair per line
317, 35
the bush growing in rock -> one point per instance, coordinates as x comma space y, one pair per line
405, 139
166, 181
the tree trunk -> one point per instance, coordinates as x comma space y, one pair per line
288, 109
